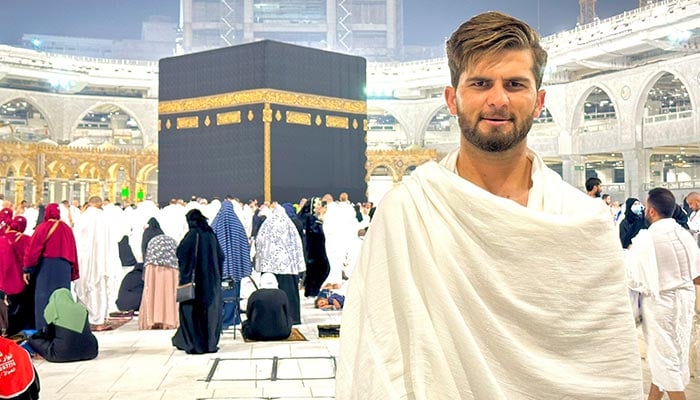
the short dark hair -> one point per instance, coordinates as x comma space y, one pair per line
663, 201
604, 196
592, 182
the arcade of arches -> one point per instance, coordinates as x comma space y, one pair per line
50, 173
38, 172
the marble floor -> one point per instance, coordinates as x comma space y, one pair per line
142, 365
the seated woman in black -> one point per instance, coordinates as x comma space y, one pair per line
268, 316
67, 336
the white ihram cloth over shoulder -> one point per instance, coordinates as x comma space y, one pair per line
460, 294
662, 262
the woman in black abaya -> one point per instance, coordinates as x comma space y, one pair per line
200, 259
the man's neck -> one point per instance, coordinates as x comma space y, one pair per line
506, 174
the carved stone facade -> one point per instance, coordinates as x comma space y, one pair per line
399, 163
63, 112
48, 173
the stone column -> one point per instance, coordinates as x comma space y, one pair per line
64, 191
52, 191
111, 193
38, 190
83, 192
19, 191
573, 170
637, 173
95, 189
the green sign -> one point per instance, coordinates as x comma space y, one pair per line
125, 192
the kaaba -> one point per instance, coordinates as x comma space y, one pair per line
264, 120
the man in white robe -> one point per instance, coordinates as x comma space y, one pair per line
172, 220
663, 261
340, 227
487, 276
98, 258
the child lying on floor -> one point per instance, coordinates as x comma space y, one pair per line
330, 297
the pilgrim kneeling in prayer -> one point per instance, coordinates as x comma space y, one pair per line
268, 315
67, 336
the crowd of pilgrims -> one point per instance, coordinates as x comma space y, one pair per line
67, 268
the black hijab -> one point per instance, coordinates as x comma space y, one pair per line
629, 215
151, 231
681, 217
195, 219
631, 225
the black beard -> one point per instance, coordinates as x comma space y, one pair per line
498, 142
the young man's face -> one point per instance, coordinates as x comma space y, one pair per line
496, 100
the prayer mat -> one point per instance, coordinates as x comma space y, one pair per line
122, 314
111, 324
295, 336
328, 331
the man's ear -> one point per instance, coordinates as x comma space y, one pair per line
539, 103
451, 99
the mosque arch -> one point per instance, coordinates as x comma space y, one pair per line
88, 170
23, 119
665, 97
24, 167
384, 170
57, 170
117, 168
440, 128
147, 180
545, 117
382, 178
595, 111
146, 171
108, 123
382, 119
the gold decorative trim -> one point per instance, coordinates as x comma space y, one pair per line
187, 122
228, 118
251, 116
318, 120
334, 121
365, 125
168, 124
298, 118
354, 123
256, 96
278, 116
207, 121
159, 124
267, 153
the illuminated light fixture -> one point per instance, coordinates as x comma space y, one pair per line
680, 36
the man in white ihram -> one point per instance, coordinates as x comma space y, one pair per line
486, 276
98, 257
663, 261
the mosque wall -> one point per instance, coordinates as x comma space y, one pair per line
566, 136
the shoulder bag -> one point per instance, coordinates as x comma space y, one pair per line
185, 292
